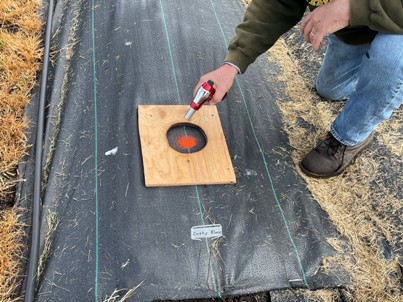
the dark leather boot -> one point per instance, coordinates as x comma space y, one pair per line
331, 157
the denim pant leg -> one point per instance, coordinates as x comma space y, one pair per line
338, 74
378, 91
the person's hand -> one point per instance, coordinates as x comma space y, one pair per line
325, 20
223, 79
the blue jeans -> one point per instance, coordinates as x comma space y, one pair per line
370, 77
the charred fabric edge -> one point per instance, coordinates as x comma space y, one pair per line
34, 250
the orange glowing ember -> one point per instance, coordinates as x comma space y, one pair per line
186, 142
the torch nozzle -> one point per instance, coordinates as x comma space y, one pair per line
189, 113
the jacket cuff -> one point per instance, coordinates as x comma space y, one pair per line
360, 12
237, 57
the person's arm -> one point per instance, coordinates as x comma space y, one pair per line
379, 15
264, 22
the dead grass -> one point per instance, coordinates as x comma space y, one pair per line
11, 251
19, 63
121, 295
20, 55
362, 214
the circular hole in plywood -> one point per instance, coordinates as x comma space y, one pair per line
186, 138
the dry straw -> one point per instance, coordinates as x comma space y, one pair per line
19, 63
362, 213
10, 253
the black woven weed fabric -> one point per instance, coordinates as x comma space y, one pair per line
102, 229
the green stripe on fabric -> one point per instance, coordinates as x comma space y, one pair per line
264, 159
96, 152
196, 188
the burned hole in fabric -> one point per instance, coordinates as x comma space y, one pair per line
186, 138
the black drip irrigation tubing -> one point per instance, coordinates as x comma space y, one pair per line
36, 207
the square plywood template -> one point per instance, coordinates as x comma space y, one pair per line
164, 166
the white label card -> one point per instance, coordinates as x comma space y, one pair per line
206, 231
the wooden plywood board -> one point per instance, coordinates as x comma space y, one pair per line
164, 166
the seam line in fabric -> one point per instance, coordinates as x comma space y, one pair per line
264, 160
196, 188
96, 151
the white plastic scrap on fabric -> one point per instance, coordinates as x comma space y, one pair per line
249, 172
206, 231
112, 152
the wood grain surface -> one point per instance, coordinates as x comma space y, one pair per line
163, 166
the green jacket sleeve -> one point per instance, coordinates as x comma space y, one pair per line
379, 15
264, 22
